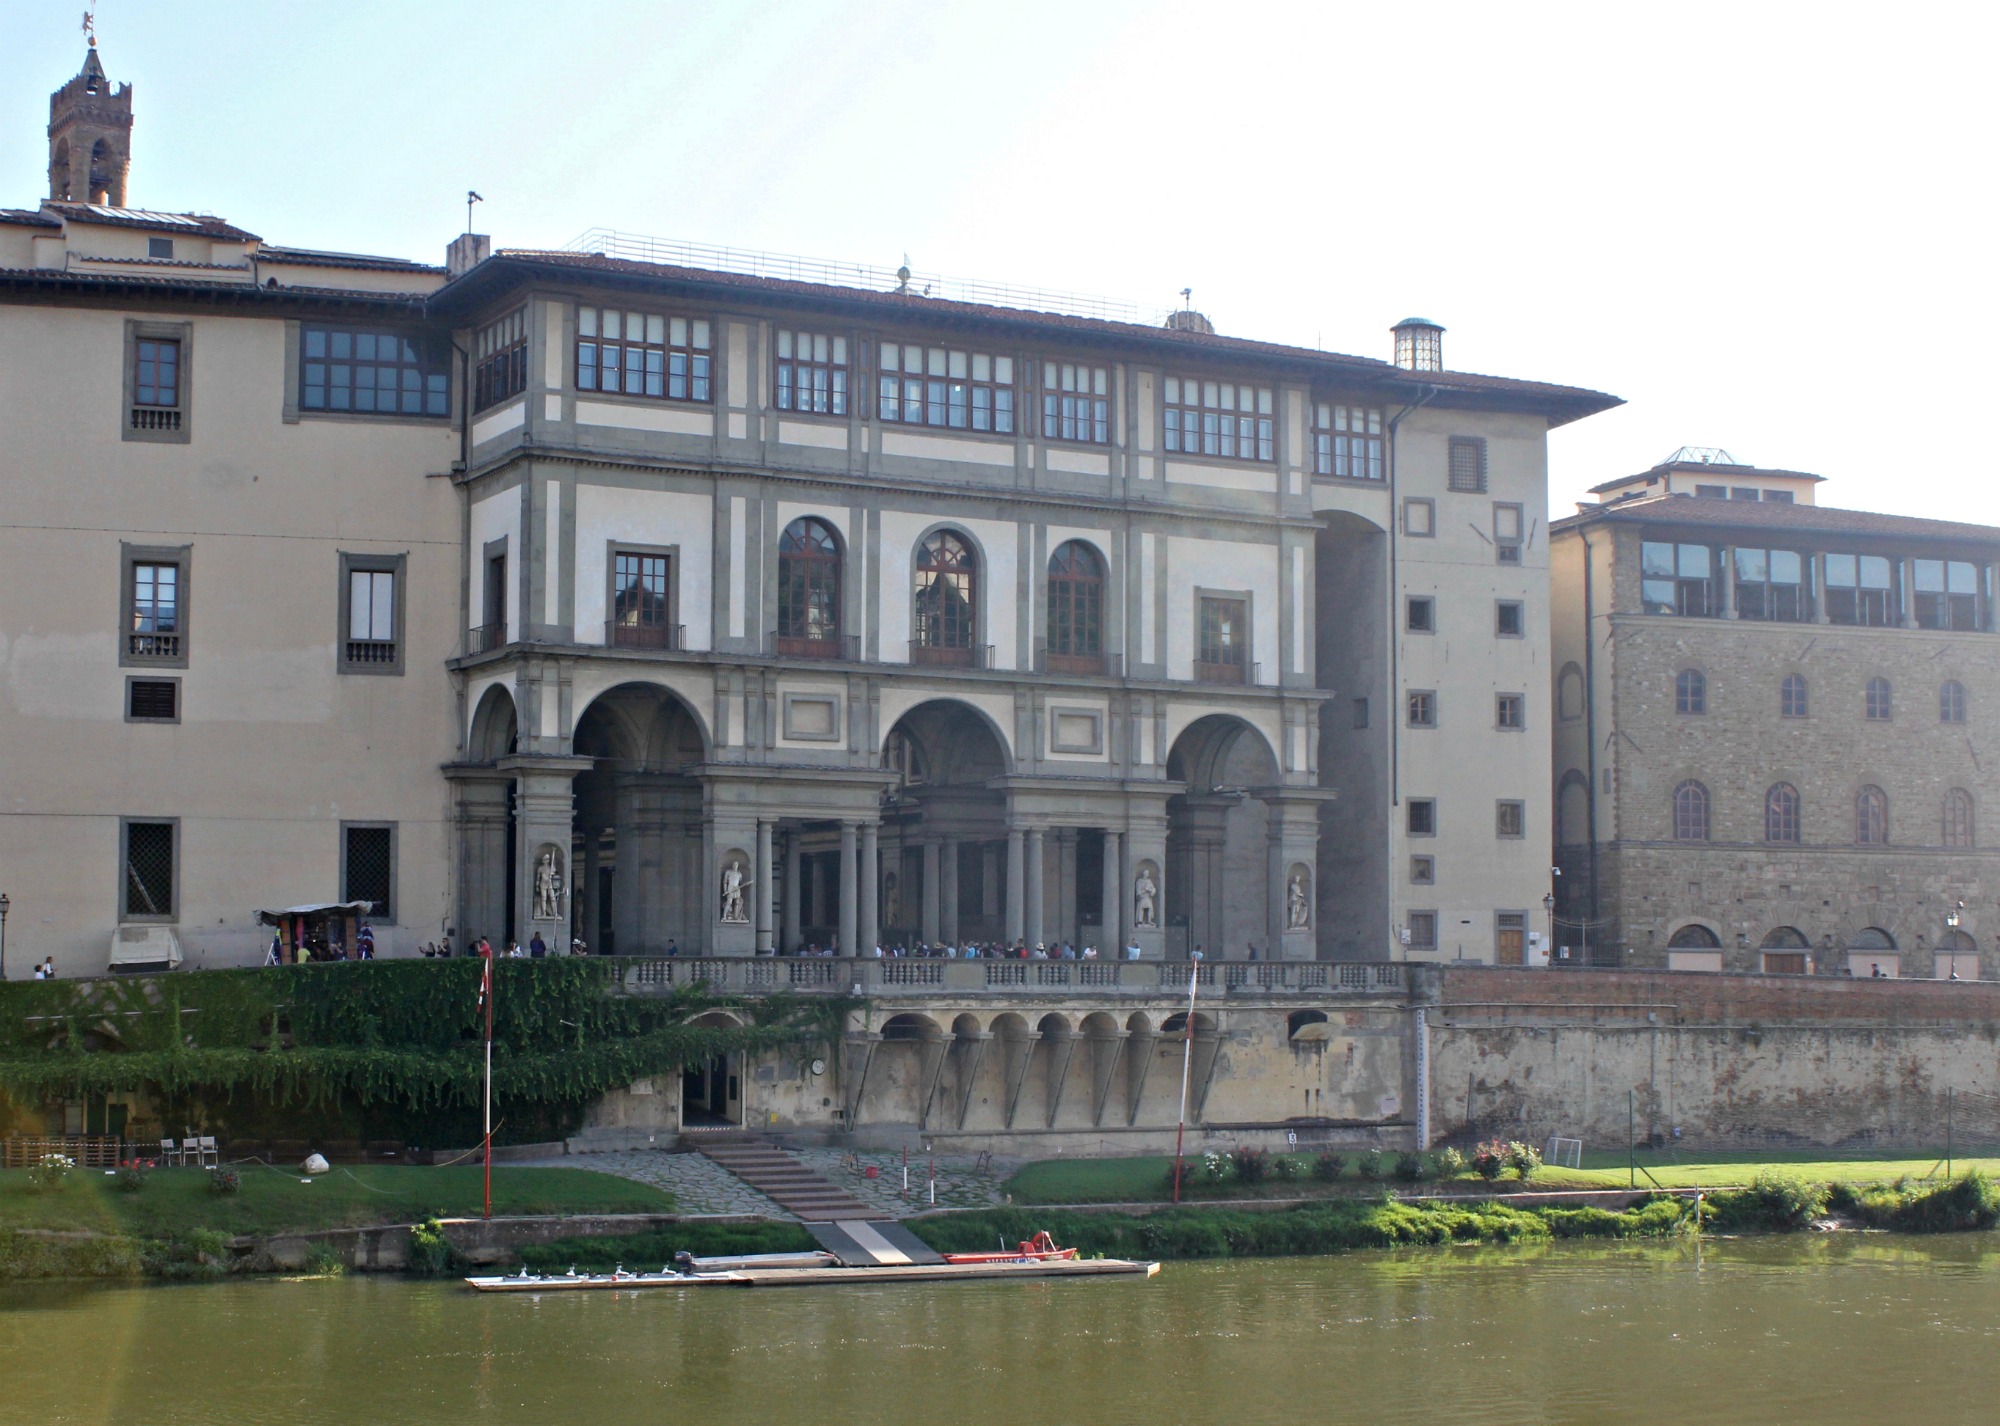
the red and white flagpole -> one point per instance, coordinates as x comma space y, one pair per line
486, 998
1187, 1066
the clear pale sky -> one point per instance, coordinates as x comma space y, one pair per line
1768, 227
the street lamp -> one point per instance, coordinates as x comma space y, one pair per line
4, 903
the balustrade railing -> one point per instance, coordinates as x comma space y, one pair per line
898, 975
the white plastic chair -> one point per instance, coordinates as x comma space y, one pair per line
206, 1152
168, 1153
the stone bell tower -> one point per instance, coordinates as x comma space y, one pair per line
90, 137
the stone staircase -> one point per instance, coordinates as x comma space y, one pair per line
778, 1176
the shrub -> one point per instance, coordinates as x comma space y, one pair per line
1328, 1165
1959, 1206
324, 1261
1251, 1165
1773, 1200
1489, 1160
1369, 1164
194, 1253
1411, 1168
1287, 1166
224, 1181
431, 1253
1447, 1163
1214, 1167
1524, 1159
131, 1178
51, 1174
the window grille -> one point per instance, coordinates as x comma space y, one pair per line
370, 867
149, 869
153, 700
1466, 470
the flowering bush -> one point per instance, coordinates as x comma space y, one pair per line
1524, 1159
1489, 1160
1328, 1165
224, 1181
1411, 1168
1251, 1165
131, 1177
1369, 1163
1287, 1166
51, 1174
1214, 1166
1447, 1163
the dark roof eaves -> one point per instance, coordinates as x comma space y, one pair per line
1565, 402
1692, 511
53, 281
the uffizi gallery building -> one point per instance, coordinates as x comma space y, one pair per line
627, 596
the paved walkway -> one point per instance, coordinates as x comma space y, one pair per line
702, 1186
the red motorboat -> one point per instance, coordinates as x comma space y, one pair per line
1039, 1249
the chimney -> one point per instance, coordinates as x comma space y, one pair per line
1419, 345
466, 252
1189, 320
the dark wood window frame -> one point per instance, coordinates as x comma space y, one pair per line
1420, 708
672, 357
1794, 696
1878, 700
1691, 693
375, 649
1871, 817
151, 419
1510, 819
1219, 658
657, 629
1783, 820
1075, 608
811, 608
500, 359
1951, 702
1959, 824
155, 647
944, 631
948, 391
1510, 712
1206, 418
1347, 441
1692, 812
810, 372
341, 368
1076, 403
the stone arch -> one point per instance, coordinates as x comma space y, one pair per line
945, 817
1694, 936
1784, 938
1569, 692
1871, 938
646, 724
909, 1025
1573, 810
495, 728
1175, 1024
59, 188
720, 1020
1217, 881
949, 728
1308, 1026
1139, 1023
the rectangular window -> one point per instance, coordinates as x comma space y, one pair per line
942, 386
1420, 817
1678, 579
1510, 819
1508, 523
642, 354
1223, 639
160, 247
1076, 403
492, 633
642, 594
371, 615
1711, 492
1510, 711
1423, 871
368, 866
152, 700
155, 619
372, 371
1861, 590
1947, 594
500, 360
156, 381
1423, 930
1467, 468
1771, 584
1347, 441
1508, 620
1360, 712
149, 856
812, 373
1422, 704
1419, 517
1218, 418
1420, 614
1782, 497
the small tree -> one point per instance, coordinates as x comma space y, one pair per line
1369, 1164
1447, 1163
1524, 1159
1489, 1160
1411, 1168
1252, 1165
1328, 1165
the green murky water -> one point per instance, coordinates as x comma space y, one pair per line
1826, 1331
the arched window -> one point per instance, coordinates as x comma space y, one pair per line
1871, 938
809, 590
1792, 696
1690, 813
1781, 813
1076, 609
1690, 691
1572, 810
1694, 938
1879, 701
1958, 818
1951, 701
1785, 938
1569, 693
947, 600
1871, 817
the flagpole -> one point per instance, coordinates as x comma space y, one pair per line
1187, 1065
487, 995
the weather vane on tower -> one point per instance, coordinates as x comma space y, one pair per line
90, 27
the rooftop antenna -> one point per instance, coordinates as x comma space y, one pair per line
90, 27
470, 199
1187, 299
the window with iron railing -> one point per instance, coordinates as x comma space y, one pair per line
642, 601
1075, 610
154, 616
947, 592
1222, 640
156, 386
372, 617
809, 591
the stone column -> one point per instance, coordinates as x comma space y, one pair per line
1817, 565
763, 888
1063, 924
1906, 577
1031, 911
788, 919
481, 815
593, 859
871, 888
932, 876
948, 890
1728, 582
544, 820
850, 944
1017, 871
1112, 932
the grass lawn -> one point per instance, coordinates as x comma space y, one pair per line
273, 1201
1144, 1179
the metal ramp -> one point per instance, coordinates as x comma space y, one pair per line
879, 1244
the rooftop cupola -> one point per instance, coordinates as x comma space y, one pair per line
1419, 345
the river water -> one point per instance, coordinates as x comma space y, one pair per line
1828, 1331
